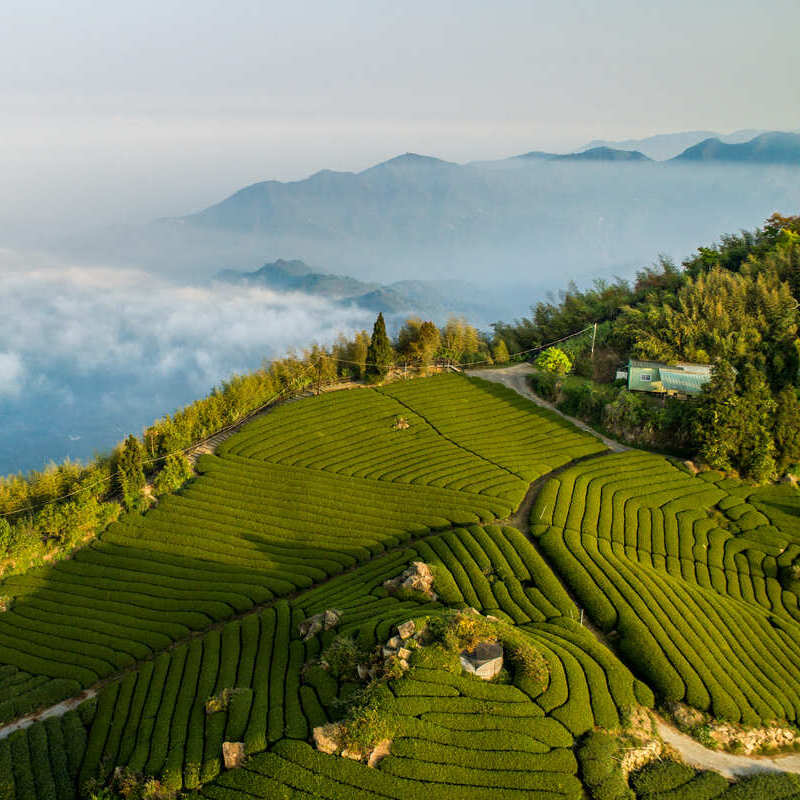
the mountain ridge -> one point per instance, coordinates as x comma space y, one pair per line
428, 298
768, 148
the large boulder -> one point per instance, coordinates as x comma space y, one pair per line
406, 629
233, 754
324, 621
326, 738
418, 577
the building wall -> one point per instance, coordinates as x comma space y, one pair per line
635, 381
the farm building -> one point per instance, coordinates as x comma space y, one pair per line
674, 379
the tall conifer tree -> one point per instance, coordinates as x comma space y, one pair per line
380, 355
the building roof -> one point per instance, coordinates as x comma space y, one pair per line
685, 367
483, 652
684, 382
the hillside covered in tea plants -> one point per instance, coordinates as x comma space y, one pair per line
618, 584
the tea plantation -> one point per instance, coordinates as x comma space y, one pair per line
318, 503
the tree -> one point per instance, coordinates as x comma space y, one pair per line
733, 425
131, 474
757, 411
418, 341
175, 471
500, 353
555, 361
380, 355
460, 340
787, 429
6, 537
716, 420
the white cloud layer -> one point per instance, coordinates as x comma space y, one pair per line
82, 320
124, 347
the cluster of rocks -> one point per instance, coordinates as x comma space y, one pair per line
328, 739
324, 621
418, 577
398, 645
397, 649
756, 740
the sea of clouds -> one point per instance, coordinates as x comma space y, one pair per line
88, 354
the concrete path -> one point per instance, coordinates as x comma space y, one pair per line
727, 764
516, 378
57, 710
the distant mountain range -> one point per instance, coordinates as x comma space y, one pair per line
768, 148
414, 197
773, 147
434, 299
517, 227
664, 146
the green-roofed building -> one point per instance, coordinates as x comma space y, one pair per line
672, 379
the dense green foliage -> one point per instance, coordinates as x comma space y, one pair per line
669, 780
734, 305
555, 361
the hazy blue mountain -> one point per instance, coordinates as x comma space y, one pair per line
517, 227
605, 154
296, 276
435, 299
593, 154
664, 146
768, 148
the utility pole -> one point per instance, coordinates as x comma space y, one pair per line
594, 336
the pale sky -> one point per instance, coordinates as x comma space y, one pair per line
125, 111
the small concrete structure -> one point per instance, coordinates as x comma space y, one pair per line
485, 661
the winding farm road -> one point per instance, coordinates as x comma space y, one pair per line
690, 750
727, 764
515, 377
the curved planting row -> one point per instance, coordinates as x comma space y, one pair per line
43, 762
354, 433
504, 740
657, 556
241, 534
495, 423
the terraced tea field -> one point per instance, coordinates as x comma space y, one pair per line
316, 504
685, 571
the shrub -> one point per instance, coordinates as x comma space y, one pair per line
368, 720
555, 361
343, 655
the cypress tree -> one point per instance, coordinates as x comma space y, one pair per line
131, 477
380, 355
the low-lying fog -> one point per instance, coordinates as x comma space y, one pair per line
117, 328
89, 354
